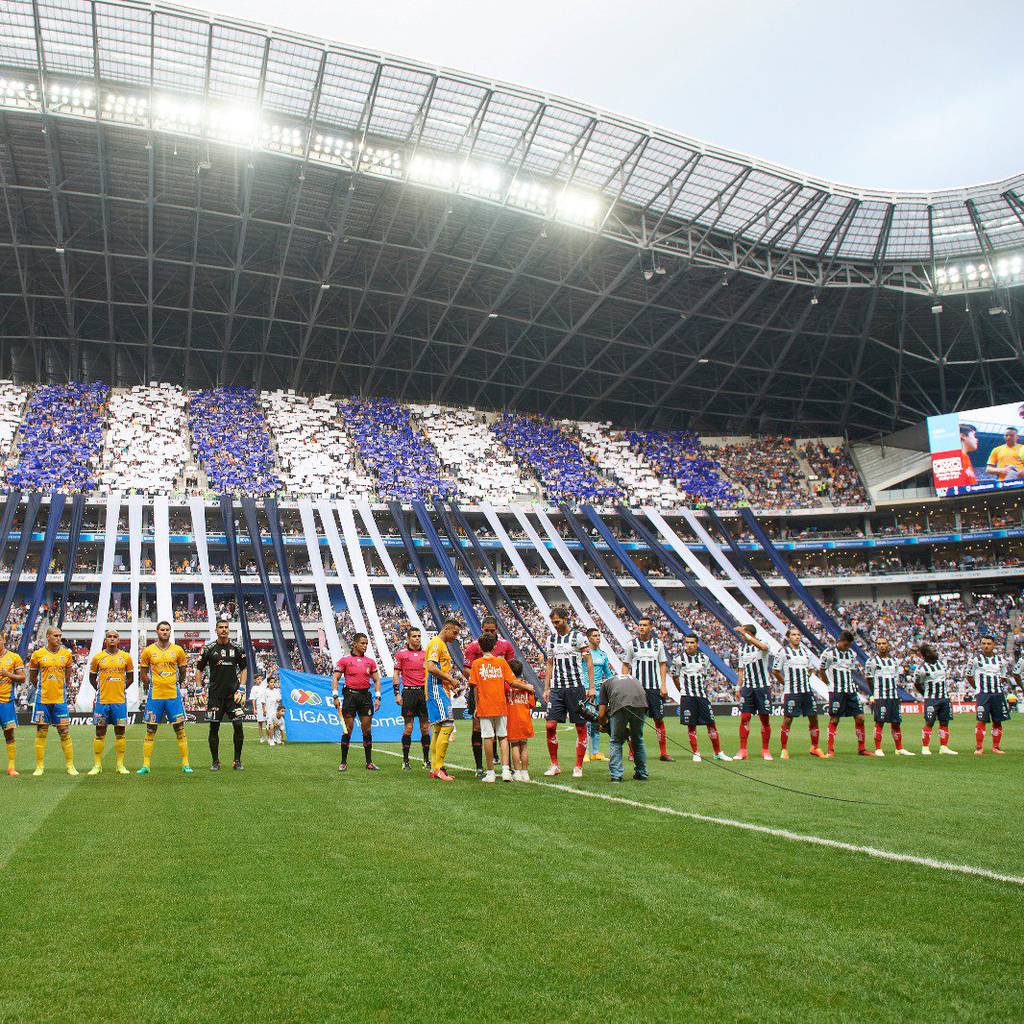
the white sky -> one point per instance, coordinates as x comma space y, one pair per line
901, 94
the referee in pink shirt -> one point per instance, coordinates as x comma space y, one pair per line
358, 671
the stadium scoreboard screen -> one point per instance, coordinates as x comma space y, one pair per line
978, 450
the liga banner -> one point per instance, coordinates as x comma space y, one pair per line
310, 717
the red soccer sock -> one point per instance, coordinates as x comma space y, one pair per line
659, 728
832, 726
692, 733
943, 735
926, 736
716, 746
766, 731
979, 735
897, 735
815, 735
581, 744
859, 730
552, 733
997, 736
878, 737
744, 731
784, 735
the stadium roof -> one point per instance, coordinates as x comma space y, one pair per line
227, 202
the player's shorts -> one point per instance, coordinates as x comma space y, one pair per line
439, 704
565, 704
110, 714
496, 725
887, 709
757, 700
696, 711
414, 702
169, 709
844, 705
655, 704
799, 705
8, 714
257, 710
992, 707
938, 709
357, 702
51, 714
224, 709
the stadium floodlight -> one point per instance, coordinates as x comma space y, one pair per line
577, 207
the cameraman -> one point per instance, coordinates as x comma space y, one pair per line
622, 711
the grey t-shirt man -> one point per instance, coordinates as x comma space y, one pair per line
623, 692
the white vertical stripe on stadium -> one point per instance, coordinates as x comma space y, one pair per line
720, 557
162, 561
135, 504
552, 566
341, 567
86, 693
389, 566
362, 579
198, 509
517, 562
316, 566
705, 577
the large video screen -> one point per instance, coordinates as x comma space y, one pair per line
978, 450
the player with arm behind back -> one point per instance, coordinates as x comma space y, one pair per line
12, 671
50, 673
441, 685
228, 669
111, 672
162, 669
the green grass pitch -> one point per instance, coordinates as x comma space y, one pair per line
291, 893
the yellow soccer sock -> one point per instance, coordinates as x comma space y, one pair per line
40, 749
10, 754
433, 749
97, 749
182, 747
147, 748
69, 752
120, 745
444, 735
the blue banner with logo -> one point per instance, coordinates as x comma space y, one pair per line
310, 717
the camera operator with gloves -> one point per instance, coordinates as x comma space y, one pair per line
622, 712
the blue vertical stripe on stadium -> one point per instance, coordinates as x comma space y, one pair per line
277, 541
31, 513
7, 519
227, 515
459, 594
74, 534
602, 564
45, 556
276, 632
398, 515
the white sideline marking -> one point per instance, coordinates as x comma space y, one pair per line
780, 833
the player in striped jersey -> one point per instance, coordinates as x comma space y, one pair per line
793, 666
647, 657
692, 670
836, 670
987, 673
931, 680
755, 678
568, 681
882, 672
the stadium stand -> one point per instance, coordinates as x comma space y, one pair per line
768, 469
837, 476
678, 456
12, 408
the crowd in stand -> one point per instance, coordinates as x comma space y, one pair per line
679, 456
837, 476
769, 471
565, 472
12, 408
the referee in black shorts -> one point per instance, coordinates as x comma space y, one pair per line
228, 667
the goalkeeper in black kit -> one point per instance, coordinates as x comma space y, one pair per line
228, 668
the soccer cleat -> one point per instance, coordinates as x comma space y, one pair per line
442, 776
406, 767
926, 751
784, 755
13, 773
238, 766
979, 752
816, 752
741, 755
766, 756
864, 752
524, 776
946, 750
342, 767
586, 759
506, 774
666, 757
186, 769
903, 752
144, 770
38, 772
488, 777
598, 757
697, 759
830, 753
72, 770
121, 770
553, 770
879, 753
998, 750
426, 764
371, 767
577, 773
215, 767
722, 756
96, 769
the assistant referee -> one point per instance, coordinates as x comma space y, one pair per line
228, 668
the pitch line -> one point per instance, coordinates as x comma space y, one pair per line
779, 833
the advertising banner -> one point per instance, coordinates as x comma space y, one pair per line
977, 450
310, 716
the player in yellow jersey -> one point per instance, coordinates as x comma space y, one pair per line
441, 684
1006, 461
49, 671
162, 668
12, 670
111, 672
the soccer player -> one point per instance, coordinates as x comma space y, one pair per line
111, 672
755, 678
502, 649
358, 671
229, 668
693, 668
257, 694
987, 672
932, 682
792, 666
836, 669
882, 673
1006, 461
12, 670
602, 671
649, 664
162, 668
49, 671
568, 681
442, 683
410, 694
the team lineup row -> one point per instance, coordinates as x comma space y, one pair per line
580, 685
